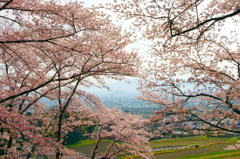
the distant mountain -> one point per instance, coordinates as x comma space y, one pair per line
48, 103
123, 86
122, 94
119, 93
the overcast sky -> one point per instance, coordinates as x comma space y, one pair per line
90, 2
96, 2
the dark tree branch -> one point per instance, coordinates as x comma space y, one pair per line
39, 40
5, 5
202, 23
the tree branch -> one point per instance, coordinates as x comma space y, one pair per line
6, 4
204, 22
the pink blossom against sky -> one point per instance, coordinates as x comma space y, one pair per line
91, 2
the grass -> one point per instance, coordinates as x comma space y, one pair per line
144, 114
86, 146
81, 143
223, 154
208, 147
187, 141
204, 149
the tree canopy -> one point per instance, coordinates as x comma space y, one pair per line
48, 50
194, 75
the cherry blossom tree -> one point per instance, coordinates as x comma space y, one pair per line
48, 50
129, 133
195, 69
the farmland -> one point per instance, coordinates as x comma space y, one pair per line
179, 147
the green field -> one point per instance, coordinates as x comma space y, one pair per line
86, 146
224, 155
187, 141
201, 151
198, 147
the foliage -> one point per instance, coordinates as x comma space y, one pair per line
48, 50
195, 70
128, 133
79, 133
